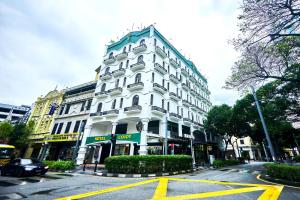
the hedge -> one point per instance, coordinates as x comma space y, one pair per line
59, 165
224, 163
283, 171
297, 158
147, 164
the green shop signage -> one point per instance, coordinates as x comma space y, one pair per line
133, 137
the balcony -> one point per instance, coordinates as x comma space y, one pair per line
193, 92
115, 91
101, 94
157, 110
111, 113
159, 88
135, 86
105, 76
184, 72
160, 52
186, 103
139, 48
109, 60
121, 56
174, 79
193, 79
194, 107
187, 121
174, 116
174, 96
174, 63
118, 72
137, 66
160, 69
133, 109
96, 115
185, 86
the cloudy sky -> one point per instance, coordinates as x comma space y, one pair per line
49, 43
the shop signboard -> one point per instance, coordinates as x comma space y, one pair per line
133, 137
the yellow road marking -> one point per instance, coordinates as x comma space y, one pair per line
271, 193
88, 194
215, 194
161, 189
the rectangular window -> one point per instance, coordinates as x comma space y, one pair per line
82, 106
151, 99
68, 127
88, 107
153, 77
124, 82
54, 128
121, 103
76, 127
60, 126
61, 110
163, 103
67, 109
129, 49
83, 121
242, 142
168, 106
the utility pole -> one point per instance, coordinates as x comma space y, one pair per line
264, 125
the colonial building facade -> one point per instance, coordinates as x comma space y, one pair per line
143, 78
14, 114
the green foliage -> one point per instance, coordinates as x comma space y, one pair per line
59, 165
5, 130
297, 158
148, 163
224, 163
283, 171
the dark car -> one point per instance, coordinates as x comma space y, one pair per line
22, 167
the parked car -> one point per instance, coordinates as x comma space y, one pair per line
22, 167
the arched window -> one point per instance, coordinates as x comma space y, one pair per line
164, 48
124, 50
142, 42
168, 106
154, 42
168, 54
107, 70
152, 77
99, 107
127, 64
113, 105
163, 82
140, 58
163, 103
151, 99
117, 83
121, 103
138, 78
121, 65
103, 87
154, 57
129, 49
135, 100
124, 81
111, 55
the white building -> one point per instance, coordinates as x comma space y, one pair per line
13, 113
144, 78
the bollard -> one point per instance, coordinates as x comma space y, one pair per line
96, 163
84, 163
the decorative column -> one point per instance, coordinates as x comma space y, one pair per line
113, 134
143, 143
192, 147
82, 149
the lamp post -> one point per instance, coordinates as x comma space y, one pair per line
264, 125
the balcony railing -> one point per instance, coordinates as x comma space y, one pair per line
193, 92
109, 60
174, 63
135, 86
139, 48
122, 55
133, 109
185, 86
174, 79
160, 52
113, 112
184, 72
96, 114
137, 66
193, 79
159, 88
186, 103
160, 69
158, 110
174, 115
114, 91
174, 96
101, 94
187, 120
105, 76
118, 72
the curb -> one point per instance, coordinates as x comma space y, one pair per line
270, 180
146, 175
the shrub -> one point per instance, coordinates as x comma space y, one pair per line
59, 165
297, 158
223, 163
283, 171
147, 164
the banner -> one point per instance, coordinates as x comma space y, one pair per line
133, 137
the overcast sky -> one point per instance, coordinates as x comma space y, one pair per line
49, 43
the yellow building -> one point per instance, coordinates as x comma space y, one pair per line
43, 119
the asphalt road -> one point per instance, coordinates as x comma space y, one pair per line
237, 183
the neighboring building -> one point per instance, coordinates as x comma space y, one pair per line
14, 114
43, 114
144, 78
244, 147
73, 112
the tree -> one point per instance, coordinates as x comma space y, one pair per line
263, 20
5, 130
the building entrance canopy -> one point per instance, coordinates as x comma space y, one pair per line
133, 137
